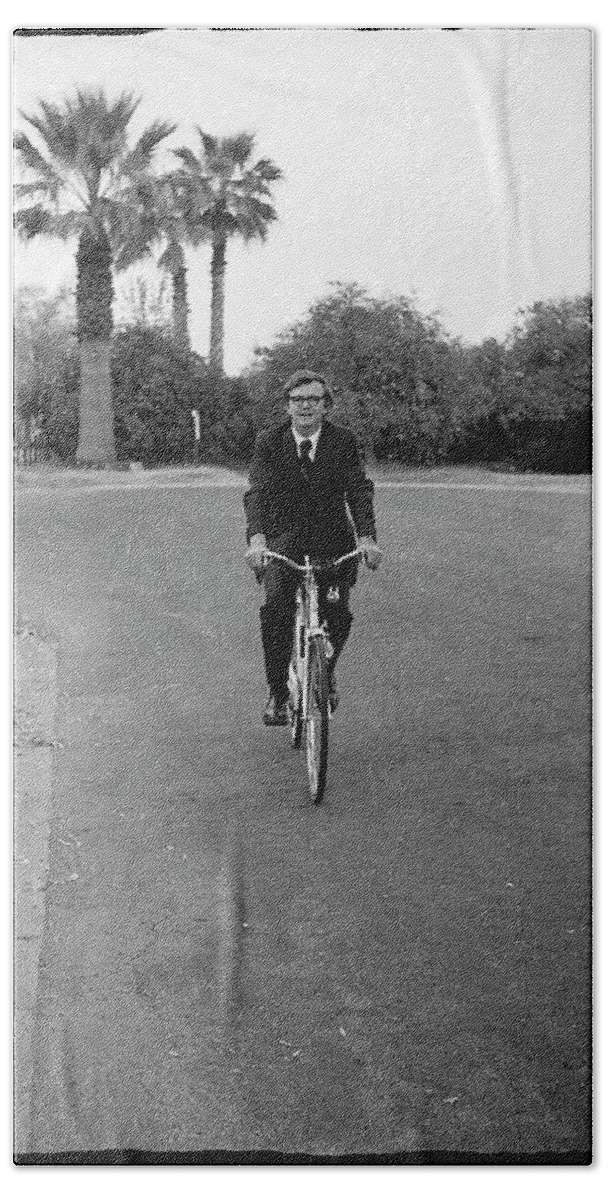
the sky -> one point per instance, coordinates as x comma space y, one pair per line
451, 166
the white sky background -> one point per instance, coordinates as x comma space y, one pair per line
454, 166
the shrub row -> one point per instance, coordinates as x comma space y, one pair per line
411, 394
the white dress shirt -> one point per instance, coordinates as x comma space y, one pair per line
302, 437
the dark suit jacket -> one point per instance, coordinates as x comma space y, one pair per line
313, 515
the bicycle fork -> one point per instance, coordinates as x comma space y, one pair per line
316, 627
304, 641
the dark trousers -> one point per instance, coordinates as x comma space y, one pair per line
277, 616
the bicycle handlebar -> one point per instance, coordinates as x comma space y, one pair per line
314, 566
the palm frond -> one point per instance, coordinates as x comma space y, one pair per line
32, 222
193, 195
57, 133
140, 157
253, 217
31, 189
189, 159
92, 110
131, 229
32, 159
252, 185
38, 221
131, 251
69, 224
267, 170
239, 148
210, 144
87, 131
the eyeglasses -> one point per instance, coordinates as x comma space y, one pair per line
306, 399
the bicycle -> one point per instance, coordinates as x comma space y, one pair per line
308, 680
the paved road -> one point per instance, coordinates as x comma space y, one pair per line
222, 967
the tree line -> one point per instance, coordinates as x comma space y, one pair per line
415, 395
411, 393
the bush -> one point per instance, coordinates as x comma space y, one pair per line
386, 363
230, 435
155, 387
47, 371
409, 393
537, 411
414, 395
544, 399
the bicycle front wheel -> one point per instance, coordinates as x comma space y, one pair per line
317, 722
295, 705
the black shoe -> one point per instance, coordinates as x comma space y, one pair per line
275, 712
334, 695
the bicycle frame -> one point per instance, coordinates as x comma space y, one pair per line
308, 680
307, 614
307, 627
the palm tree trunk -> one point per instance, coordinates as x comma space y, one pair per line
96, 428
94, 292
180, 308
218, 273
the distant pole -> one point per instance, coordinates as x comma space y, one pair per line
197, 433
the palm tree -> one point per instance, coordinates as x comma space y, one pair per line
161, 221
173, 261
83, 184
221, 195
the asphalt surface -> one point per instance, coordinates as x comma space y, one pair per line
219, 967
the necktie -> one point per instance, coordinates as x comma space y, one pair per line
305, 459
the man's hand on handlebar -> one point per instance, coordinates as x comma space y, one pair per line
371, 552
258, 554
255, 555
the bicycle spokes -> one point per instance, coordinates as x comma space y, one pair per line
317, 718
295, 706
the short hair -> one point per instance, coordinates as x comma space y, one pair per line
299, 378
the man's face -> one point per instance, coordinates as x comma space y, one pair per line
307, 407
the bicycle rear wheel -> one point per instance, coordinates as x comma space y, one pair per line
317, 723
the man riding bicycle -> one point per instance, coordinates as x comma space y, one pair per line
308, 495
